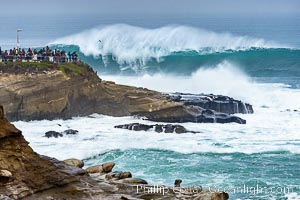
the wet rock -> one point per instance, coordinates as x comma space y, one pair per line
180, 129
60, 134
103, 168
117, 175
125, 175
168, 128
74, 162
177, 182
218, 103
194, 114
134, 181
158, 128
135, 127
140, 127
55, 134
107, 167
176, 98
70, 132
95, 169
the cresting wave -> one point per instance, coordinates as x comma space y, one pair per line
174, 49
130, 43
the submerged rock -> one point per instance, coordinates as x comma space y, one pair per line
168, 128
55, 134
70, 132
61, 134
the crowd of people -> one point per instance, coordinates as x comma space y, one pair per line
43, 54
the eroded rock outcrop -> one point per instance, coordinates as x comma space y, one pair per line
57, 94
31, 172
25, 174
196, 114
218, 103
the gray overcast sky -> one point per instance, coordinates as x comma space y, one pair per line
150, 6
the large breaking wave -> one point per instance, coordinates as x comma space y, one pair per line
177, 49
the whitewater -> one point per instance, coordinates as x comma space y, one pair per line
176, 58
130, 43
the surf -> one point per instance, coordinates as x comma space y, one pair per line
175, 49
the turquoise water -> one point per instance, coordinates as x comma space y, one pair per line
277, 170
274, 62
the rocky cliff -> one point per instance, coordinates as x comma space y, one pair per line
25, 174
49, 91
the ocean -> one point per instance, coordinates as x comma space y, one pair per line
254, 59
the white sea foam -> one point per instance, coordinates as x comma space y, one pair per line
292, 196
265, 131
131, 45
227, 79
270, 128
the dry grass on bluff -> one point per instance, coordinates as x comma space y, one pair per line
70, 68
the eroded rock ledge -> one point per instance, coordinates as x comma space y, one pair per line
218, 103
25, 174
63, 91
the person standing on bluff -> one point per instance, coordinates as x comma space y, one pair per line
2, 55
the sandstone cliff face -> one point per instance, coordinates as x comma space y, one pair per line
56, 95
25, 174
31, 172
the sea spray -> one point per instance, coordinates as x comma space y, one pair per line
225, 78
174, 49
130, 43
